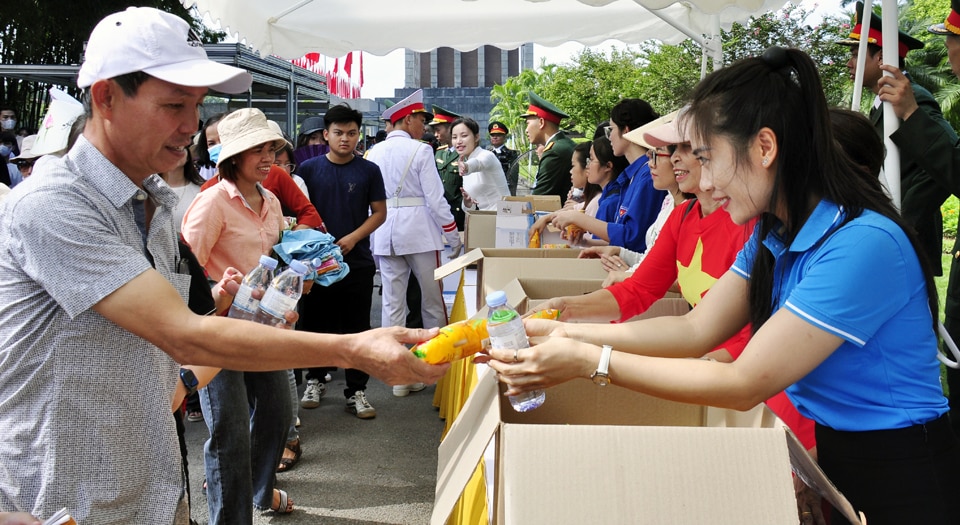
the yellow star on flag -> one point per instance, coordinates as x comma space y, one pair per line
693, 281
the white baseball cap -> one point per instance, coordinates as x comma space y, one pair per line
159, 44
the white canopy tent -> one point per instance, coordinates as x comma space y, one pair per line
292, 28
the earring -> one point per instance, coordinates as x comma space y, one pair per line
765, 161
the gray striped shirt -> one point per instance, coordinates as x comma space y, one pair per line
85, 419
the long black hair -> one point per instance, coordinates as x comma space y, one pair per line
604, 153
781, 90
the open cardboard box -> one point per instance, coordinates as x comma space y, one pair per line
496, 267
610, 455
479, 229
515, 216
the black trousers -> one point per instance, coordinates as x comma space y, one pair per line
895, 477
341, 308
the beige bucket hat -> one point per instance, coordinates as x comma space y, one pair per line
244, 129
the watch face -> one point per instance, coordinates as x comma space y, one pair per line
601, 379
189, 378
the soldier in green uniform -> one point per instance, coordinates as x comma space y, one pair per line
498, 145
447, 163
923, 138
543, 127
921, 193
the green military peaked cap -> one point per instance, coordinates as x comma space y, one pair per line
442, 116
541, 108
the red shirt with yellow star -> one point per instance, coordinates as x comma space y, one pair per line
692, 250
695, 251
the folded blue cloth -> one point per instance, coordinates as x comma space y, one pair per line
312, 247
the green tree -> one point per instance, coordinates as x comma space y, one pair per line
53, 32
511, 100
789, 27
591, 85
664, 75
668, 74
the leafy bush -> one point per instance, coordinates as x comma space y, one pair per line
950, 209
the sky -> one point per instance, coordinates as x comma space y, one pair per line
383, 74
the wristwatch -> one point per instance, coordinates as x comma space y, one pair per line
189, 380
601, 376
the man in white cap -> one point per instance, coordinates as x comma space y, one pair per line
90, 314
418, 221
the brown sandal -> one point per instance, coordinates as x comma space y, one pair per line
288, 463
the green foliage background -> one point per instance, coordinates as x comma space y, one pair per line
53, 32
664, 75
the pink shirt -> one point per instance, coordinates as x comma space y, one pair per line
223, 230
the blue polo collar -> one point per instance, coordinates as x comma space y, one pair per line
823, 220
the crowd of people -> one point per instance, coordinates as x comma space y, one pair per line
763, 207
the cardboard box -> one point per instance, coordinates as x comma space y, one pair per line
609, 455
527, 293
479, 230
515, 216
497, 267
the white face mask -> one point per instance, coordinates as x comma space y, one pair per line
8, 124
577, 194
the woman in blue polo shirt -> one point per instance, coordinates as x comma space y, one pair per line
843, 308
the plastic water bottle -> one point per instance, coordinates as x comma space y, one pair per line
283, 293
506, 331
245, 305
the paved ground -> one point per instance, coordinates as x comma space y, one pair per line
353, 471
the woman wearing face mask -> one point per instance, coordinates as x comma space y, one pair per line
484, 183
842, 305
583, 194
603, 167
10, 175
293, 201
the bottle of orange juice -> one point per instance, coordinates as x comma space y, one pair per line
455, 341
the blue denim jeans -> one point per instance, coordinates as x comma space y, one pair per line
293, 434
248, 414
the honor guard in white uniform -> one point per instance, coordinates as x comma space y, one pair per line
418, 222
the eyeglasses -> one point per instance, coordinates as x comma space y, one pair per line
653, 154
288, 167
607, 130
25, 164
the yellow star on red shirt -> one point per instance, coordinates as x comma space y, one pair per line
693, 281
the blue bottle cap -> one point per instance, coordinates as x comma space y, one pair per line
298, 267
269, 262
495, 299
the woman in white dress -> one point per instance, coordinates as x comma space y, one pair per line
484, 183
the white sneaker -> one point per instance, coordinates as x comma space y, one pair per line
358, 405
404, 390
313, 393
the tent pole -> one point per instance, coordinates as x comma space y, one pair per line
861, 58
716, 43
891, 55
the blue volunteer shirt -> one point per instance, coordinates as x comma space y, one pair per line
863, 283
637, 208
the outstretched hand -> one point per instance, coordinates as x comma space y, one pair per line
381, 353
